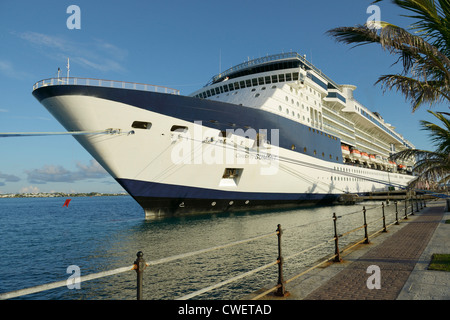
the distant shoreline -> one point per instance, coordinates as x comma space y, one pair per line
60, 195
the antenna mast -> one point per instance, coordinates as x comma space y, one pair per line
68, 69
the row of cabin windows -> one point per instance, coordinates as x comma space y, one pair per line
276, 78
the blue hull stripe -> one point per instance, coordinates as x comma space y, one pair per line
146, 189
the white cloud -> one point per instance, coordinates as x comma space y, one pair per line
96, 54
9, 70
29, 189
54, 173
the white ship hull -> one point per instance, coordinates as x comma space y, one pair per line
177, 171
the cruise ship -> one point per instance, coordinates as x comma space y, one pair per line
269, 132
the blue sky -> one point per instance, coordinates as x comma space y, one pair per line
180, 44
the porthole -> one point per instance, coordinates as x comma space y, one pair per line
141, 125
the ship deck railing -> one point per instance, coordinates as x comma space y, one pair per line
104, 83
274, 57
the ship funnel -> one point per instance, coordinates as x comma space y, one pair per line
348, 89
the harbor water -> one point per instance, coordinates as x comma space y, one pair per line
40, 238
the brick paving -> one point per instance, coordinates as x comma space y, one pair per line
396, 257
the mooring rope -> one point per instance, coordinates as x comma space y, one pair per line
73, 133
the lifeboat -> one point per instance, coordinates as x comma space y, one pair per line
364, 155
355, 153
401, 167
379, 159
372, 158
345, 150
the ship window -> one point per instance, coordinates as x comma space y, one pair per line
141, 125
242, 84
230, 86
268, 80
225, 88
179, 128
274, 78
248, 83
261, 80
288, 77
217, 91
295, 76
236, 85
254, 82
281, 77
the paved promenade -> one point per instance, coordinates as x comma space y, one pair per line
402, 255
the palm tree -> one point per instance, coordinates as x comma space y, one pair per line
431, 166
424, 53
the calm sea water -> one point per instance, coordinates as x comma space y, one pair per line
39, 239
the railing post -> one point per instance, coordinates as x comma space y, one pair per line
412, 206
140, 266
337, 257
366, 235
396, 213
406, 208
384, 217
281, 290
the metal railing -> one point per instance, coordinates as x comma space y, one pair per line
274, 57
410, 206
104, 83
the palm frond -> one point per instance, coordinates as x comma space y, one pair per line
424, 53
440, 135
